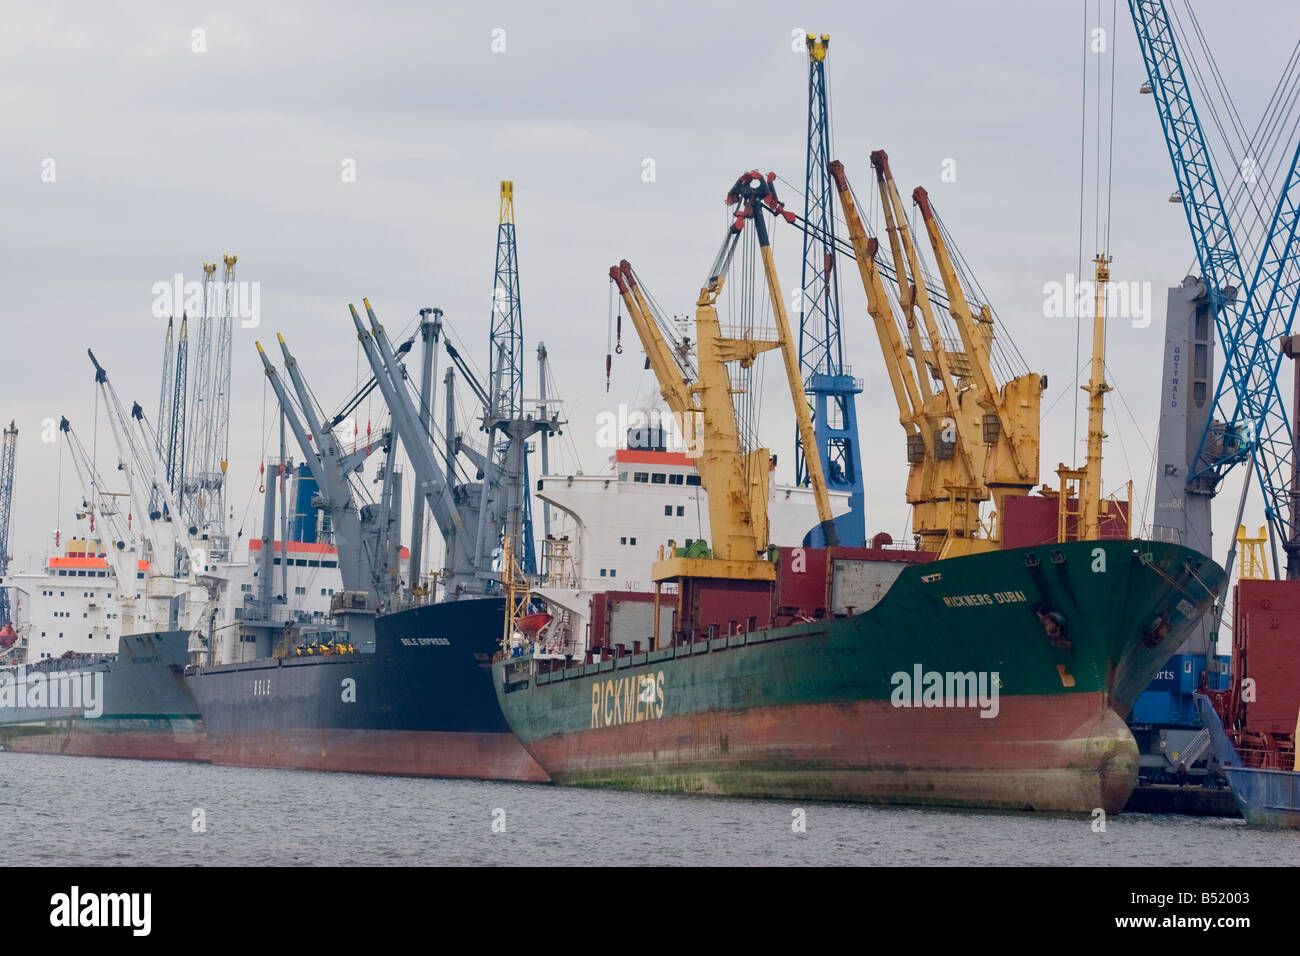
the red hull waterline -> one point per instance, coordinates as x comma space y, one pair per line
479, 756
1042, 752
124, 745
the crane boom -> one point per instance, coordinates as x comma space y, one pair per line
906, 392
736, 482
7, 452
1249, 414
432, 482
119, 556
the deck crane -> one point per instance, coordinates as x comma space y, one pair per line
165, 392
1010, 413
456, 515
970, 440
120, 552
430, 330
829, 383
1250, 422
7, 452
366, 586
174, 571
175, 454
736, 482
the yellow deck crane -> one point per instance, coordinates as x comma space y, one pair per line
969, 441
941, 467
736, 482
1010, 413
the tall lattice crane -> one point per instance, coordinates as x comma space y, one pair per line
209, 419
827, 380
7, 451
506, 384
1250, 421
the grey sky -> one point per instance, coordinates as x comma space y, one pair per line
166, 157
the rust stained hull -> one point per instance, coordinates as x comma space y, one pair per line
493, 756
164, 740
831, 709
1044, 753
421, 705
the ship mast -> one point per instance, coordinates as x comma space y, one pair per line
1097, 389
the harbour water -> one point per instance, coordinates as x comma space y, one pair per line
77, 811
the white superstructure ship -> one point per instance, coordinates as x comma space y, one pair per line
619, 520
69, 605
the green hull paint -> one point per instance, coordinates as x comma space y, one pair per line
806, 711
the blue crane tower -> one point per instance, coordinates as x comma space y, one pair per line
7, 450
828, 381
1249, 422
1207, 427
506, 385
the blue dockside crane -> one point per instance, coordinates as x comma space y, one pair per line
827, 380
1250, 423
1251, 308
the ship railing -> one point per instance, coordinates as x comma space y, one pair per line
522, 663
279, 616
1260, 758
1165, 534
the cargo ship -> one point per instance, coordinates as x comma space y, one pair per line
131, 704
923, 682
1252, 725
419, 704
415, 697
390, 683
144, 587
422, 703
991, 666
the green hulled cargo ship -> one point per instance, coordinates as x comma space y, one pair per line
997, 680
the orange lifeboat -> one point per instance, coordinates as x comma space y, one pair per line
530, 624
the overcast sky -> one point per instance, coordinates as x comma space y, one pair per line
164, 156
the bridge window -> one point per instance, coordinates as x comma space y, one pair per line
641, 476
658, 478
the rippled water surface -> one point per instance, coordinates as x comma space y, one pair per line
70, 810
